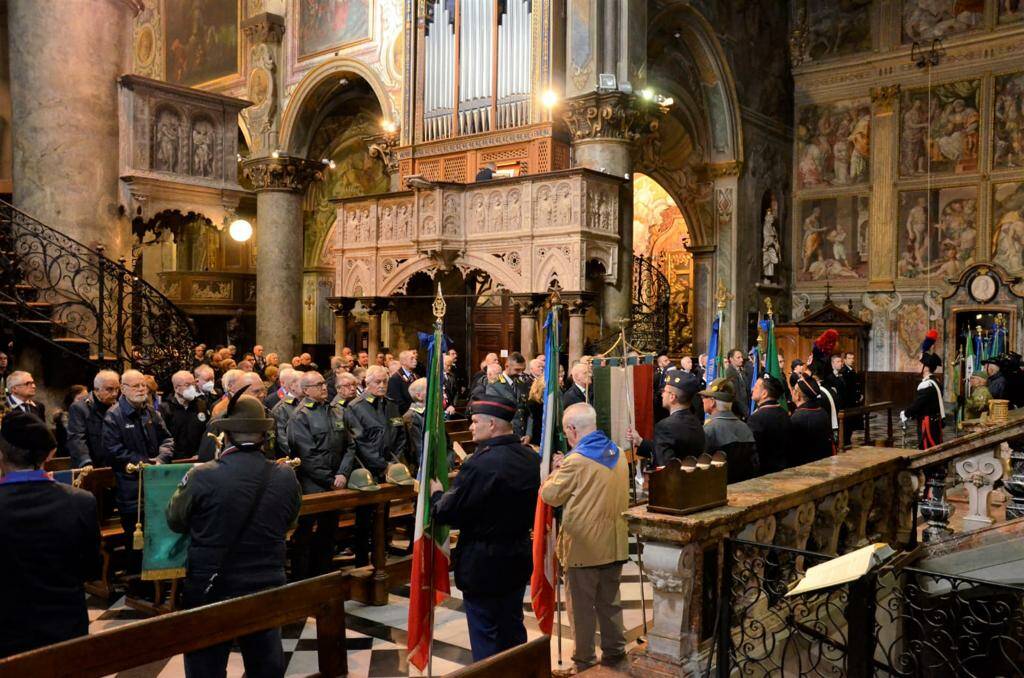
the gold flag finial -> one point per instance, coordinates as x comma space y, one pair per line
1000, 320
768, 305
723, 295
439, 305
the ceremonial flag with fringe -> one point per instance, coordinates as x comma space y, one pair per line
163, 551
771, 358
429, 584
552, 441
624, 397
714, 367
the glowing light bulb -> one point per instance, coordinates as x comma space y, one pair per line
240, 230
389, 126
548, 99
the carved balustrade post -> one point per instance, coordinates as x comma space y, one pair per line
934, 508
794, 528
749, 595
860, 502
829, 516
979, 473
907, 485
672, 571
1015, 483
881, 521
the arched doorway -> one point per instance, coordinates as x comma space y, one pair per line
660, 234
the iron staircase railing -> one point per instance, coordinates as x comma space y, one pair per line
86, 295
648, 323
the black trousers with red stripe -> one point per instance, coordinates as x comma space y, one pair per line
929, 432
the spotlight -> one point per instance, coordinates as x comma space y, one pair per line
389, 126
240, 230
548, 99
275, 154
647, 93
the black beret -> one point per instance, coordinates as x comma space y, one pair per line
809, 388
681, 381
495, 406
27, 431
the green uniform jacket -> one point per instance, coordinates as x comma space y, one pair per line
316, 435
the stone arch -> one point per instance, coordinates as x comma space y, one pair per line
301, 116
555, 265
424, 263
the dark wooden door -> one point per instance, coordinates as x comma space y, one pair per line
495, 328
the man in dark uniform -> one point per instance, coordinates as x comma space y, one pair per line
927, 408
661, 367
491, 502
773, 431
725, 431
134, 433
376, 438
316, 435
510, 385
854, 392
284, 409
678, 435
997, 384
237, 510
347, 389
812, 430
85, 421
49, 543
836, 385
398, 383
186, 414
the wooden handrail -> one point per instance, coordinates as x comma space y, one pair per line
140, 643
529, 660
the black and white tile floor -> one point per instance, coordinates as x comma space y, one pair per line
377, 634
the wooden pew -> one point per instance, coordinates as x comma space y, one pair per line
529, 660
140, 643
100, 484
369, 586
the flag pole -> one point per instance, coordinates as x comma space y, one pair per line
439, 309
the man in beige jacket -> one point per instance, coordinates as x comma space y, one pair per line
592, 483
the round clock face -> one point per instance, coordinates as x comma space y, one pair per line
983, 288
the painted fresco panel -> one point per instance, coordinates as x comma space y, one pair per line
201, 39
325, 24
937, 233
838, 28
834, 238
1008, 123
1010, 11
834, 144
925, 20
911, 326
1008, 226
940, 133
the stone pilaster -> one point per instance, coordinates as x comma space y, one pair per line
264, 33
279, 184
528, 305
342, 307
65, 58
884, 158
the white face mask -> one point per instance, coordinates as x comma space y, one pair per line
190, 393
208, 387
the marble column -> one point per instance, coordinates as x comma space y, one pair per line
528, 305
342, 307
280, 184
65, 58
577, 313
374, 308
604, 127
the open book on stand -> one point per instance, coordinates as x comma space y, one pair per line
844, 569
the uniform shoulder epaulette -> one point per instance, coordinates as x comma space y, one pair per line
289, 400
310, 404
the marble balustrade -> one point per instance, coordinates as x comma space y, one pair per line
832, 506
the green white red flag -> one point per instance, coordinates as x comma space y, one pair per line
429, 583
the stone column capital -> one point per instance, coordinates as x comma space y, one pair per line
577, 303
264, 27
375, 305
341, 306
382, 146
529, 304
282, 173
883, 99
611, 116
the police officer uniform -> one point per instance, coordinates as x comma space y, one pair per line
316, 435
377, 438
680, 434
773, 432
510, 389
812, 430
927, 408
133, 436
237, 510
282, 413
492, 502
85, 433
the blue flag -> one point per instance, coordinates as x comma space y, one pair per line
755, 356
714, 361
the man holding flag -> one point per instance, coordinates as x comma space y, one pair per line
492, 503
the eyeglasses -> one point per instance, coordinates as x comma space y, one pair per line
24, 383
322, 384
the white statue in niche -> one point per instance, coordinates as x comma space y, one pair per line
202, 149
771, 249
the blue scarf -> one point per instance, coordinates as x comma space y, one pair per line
37, 476
598, 447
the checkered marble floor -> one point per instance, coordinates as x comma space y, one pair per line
377, 634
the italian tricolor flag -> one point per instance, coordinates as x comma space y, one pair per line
430, 556
624, 397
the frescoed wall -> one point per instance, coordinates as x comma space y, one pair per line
201, 40
327, 24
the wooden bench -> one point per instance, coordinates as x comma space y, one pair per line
529, 660
140, 643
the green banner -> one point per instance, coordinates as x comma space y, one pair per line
163, 555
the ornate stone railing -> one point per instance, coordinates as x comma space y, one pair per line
831, 506
523, 231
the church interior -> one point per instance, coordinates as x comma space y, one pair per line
627, 210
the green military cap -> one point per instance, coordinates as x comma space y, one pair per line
398, 474
720, 389
363, 481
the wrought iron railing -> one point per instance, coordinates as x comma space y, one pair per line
897, 622
648, 322
127, 321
